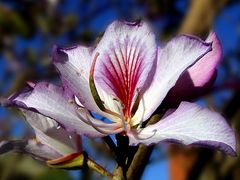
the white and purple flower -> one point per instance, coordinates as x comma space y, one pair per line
50, 142
52, 145
125, 78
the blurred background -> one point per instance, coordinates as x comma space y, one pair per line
30, 28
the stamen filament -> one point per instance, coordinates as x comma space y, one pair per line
99, 129
94, 91
120, 109
93, 88
154, 132
95, 127
141, 121
136, 103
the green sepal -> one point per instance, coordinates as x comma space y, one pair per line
77, 161
70, 161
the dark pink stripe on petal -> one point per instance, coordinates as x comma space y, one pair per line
127, 54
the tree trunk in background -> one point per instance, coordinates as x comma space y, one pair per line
201, 15
185, 162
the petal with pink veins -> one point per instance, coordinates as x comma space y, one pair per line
198, 77
173, 59
127, 54
74, 67
189, 124
51, 101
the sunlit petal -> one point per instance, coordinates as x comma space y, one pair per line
51, 101
198, 77
50, 133
37, 150
189, 125
127, 53
173, 59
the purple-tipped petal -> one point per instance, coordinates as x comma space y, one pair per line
74, 67
49, 133
202, 71
190, 125
173, 59
51, 101
127, 54
37, 150
198, 77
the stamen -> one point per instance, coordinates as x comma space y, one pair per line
83, 119
141, 121
136, 103
94, 91
95, 127
112, 113
120, 109
154, 132
89, 122
93, 88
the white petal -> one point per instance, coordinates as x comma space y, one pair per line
127, 54
199, 77
49, 133
173, 59
51, 101
189, 125
74, 67
37, 150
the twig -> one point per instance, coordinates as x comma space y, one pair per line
141, 157
200, 16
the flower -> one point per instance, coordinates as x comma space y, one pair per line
51, 141
53, 145
125, 78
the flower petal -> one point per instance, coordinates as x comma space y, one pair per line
51, 101
190, 125
198, 77
127, 53
74, 66
49, 133
173, 59
37, 150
